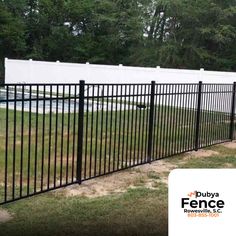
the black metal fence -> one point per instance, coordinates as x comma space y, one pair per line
56, 135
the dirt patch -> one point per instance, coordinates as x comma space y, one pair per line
202, 153
228, 165
231, 145
157, 166
149, 176
5, 216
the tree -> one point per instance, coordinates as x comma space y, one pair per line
170, 33
191, 34
12, 43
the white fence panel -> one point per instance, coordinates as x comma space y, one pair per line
28, 71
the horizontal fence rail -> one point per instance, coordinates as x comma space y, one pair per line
57, 135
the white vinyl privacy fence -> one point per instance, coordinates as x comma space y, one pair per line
37, 72
22, 71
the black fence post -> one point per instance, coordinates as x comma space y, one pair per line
151, 121
231, 135
197, 131
80, 131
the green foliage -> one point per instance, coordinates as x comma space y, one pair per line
12, 42
170, 33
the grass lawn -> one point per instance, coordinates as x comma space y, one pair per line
139, 209
112, 140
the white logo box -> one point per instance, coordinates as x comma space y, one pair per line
209, 211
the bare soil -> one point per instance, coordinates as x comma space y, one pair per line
202, 153
231, 145
149, 176
5, 216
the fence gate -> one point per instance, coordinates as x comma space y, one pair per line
54, 135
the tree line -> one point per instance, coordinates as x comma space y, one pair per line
170, 33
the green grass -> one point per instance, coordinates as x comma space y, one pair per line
224, 159
174, 129
153, 175
137, 212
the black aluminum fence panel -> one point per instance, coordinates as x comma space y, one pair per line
56, 135
115, 128
192, 116
39, 139
175, 119
215, 114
